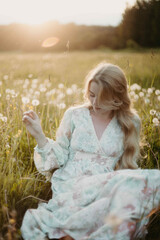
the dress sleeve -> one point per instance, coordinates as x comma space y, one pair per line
55, 153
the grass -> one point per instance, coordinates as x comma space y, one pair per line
56, 81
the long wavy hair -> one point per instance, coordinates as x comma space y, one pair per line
113, 96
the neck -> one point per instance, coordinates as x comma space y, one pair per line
103, 115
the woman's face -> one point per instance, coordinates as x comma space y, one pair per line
93, 95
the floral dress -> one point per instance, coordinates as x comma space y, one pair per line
90, 200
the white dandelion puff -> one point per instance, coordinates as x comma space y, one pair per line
157, 92
155, 121
61, 85
141, 94
30, 75
61, 105
35, 102
152, 112
25, 100
69, 91
146, 100
5, 77
150, 90
135, 86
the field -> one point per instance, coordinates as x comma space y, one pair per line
49, 83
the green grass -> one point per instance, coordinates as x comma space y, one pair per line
21, 185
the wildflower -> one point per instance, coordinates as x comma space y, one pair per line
135, 86
158, 114
30, 75
61, 105
152, 112
61, 85
35, 81
7, 146
60, 96
136, 97
74, 87
157, 92
150, 90
25, 100
7, 97
5, 77
146, 100
132, 93
141, 94
35, 102
155, 121
37, 93
43, 89
4, 119
69, 91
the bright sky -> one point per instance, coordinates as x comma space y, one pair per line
89, 12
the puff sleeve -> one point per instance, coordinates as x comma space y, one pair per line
55, 153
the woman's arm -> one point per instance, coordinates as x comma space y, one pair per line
50, 154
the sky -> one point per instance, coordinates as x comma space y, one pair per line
88, 12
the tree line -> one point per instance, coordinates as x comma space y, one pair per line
140, 27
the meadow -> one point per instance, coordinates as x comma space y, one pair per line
49, 83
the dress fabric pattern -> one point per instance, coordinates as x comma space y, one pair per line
90, 200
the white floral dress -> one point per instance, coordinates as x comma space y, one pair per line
90, 200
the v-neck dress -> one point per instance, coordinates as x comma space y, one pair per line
90, 200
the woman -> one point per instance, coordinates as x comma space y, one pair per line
99, 193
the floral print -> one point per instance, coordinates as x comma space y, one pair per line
90, 200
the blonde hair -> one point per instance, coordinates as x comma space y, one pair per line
113, 96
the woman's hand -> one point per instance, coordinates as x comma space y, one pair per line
33, 125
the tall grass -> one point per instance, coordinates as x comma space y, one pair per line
49, 84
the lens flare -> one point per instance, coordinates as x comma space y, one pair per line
49, 42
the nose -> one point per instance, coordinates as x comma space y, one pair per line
95, 101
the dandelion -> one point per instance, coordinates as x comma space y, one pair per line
30, 75
35, 81
4, 119
146, 100
25, 100
5, 77
150, 90
37, 93
69, 91
61, 85
74, 87
155, 121
7, 146
157, 92
35, 102
135, 86
141, 94
136, 97
7, 97
61, 105
132, 93
158, 114
43, 89
60, 96
152, 112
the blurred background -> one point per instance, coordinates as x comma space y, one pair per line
79, 25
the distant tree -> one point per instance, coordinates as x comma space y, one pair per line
141, 23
